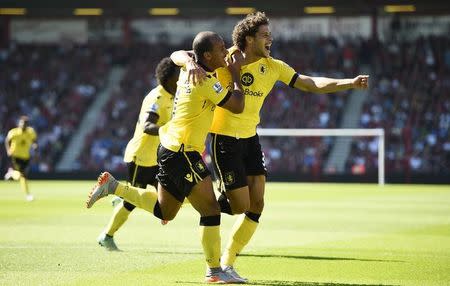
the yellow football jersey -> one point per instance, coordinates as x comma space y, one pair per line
21, 141
257, 79
141, 149
192, 113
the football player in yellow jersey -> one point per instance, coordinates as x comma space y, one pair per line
182, 172
236, 152
18, 142
140, 153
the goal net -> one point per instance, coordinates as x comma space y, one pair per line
378, 132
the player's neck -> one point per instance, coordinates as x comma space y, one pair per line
205, 66
250, 57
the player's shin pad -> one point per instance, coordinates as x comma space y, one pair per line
210, 237
119, 217
242, 232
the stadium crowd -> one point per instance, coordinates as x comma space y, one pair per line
410, 99
104, 147
53, 85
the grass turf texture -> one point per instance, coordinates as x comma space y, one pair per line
310, 234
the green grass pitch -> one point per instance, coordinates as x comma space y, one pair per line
310, 234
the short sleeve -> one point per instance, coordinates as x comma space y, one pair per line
224, 76
215, 92
152, 104
286, 72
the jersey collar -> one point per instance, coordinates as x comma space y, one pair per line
204, 67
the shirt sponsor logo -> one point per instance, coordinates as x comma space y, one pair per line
253, 93
247, 79
217, 87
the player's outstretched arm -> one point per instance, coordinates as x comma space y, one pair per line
328, 85
182, 58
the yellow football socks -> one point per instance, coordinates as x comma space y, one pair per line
241, 233
24, 185
141, 198
119, 217
210, 237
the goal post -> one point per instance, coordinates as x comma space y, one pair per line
356, 132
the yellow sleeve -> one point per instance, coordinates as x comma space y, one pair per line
224, 76
286, 72
152, 103
215, 92
33, 135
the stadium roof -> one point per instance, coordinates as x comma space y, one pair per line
208, 8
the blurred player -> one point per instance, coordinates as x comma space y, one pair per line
140, 154
182, 172
236, 152
18, 142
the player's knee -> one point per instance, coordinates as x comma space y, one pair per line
210, 208
240, 207
257, 205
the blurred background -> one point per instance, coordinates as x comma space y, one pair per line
80, 73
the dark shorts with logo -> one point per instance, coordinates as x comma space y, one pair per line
235, 159
20, 165
180, 171
140, 176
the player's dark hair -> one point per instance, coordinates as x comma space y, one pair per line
203, 42
165, 70
248, 27
24, 118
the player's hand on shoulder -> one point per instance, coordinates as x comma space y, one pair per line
196, 74
361, 82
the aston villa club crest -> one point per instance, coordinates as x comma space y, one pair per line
200, 166
229, 178
262, 69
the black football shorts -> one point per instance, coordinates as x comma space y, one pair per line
141, 176
235, 159
180, 171
20, 165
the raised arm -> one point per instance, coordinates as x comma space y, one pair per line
328, 85
182, 58
236, 101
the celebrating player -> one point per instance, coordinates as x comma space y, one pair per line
182, 172
19, 142
140, 153
236, 151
